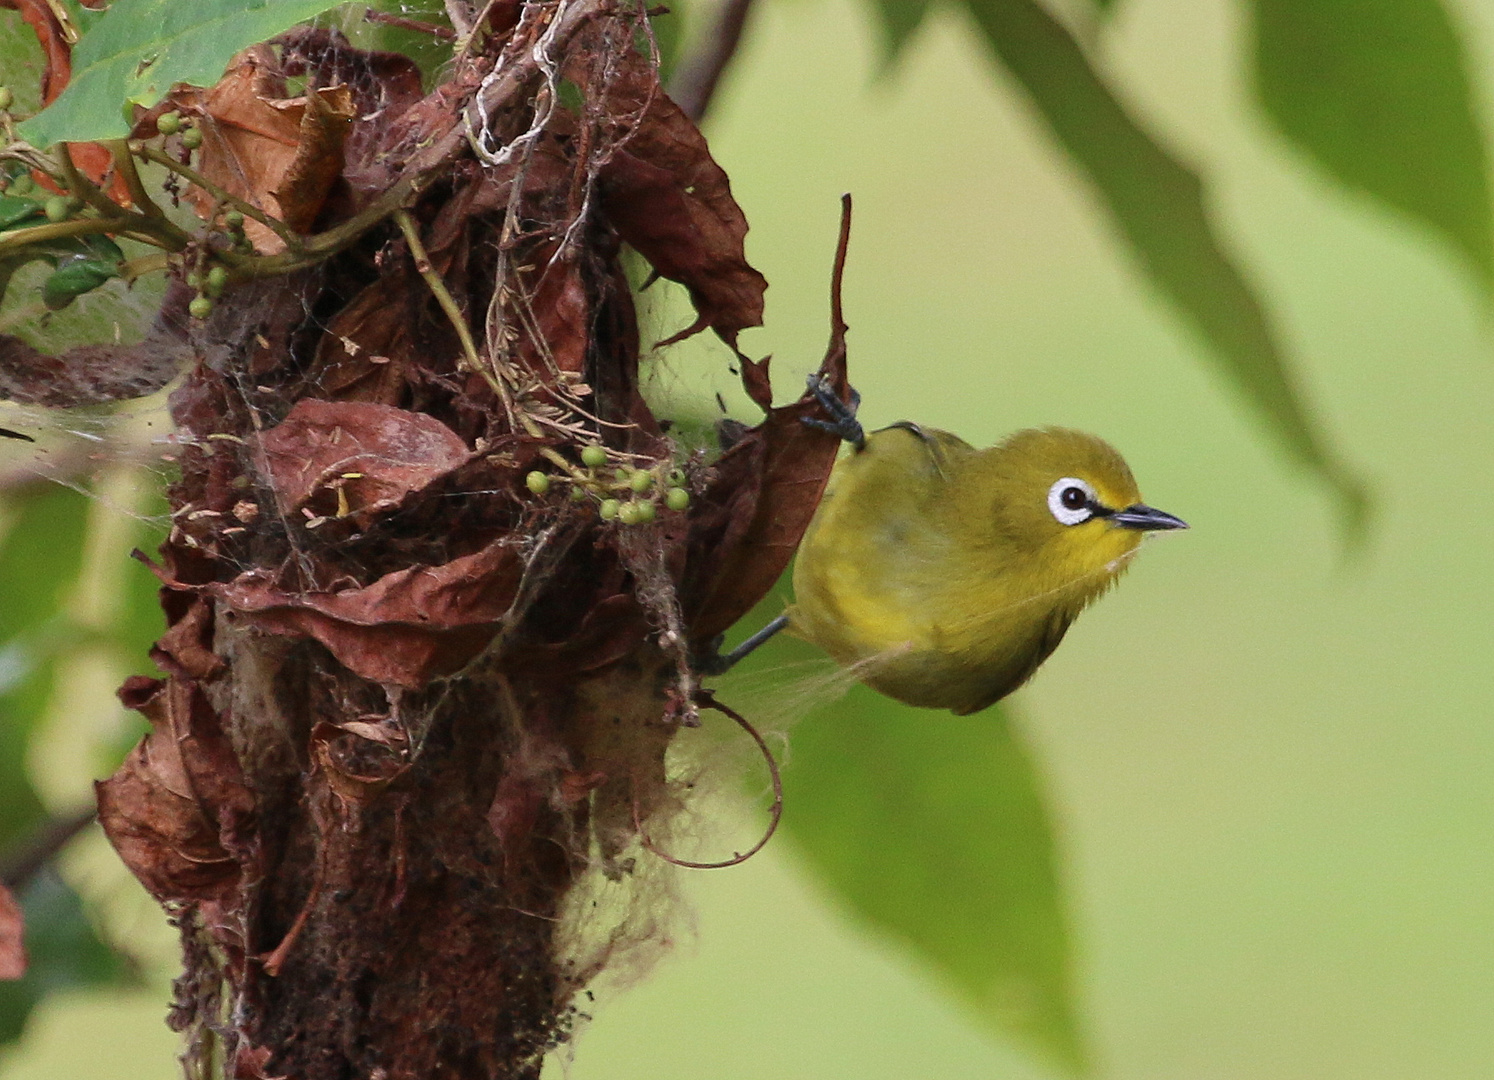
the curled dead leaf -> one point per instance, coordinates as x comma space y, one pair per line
280, 154
359, 758
178, 810
406, 628
748, 523
667, 197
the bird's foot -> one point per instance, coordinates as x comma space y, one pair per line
711, 660
842, 420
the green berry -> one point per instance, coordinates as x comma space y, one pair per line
628, 513
537, 482
217, 277
57, 208
609, 509
192, 138
676, 498
644, 512
593, 456
200, 307
641, 481
169, 123
577, 493
677, 478
193, 279
233, 221
7, 99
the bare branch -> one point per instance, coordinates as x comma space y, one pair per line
694, 84
22, 862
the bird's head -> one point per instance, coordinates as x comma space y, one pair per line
1067, 499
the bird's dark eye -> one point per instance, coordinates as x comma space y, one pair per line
1071, 500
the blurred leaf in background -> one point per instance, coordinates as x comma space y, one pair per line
1378, 96
1160, 207
41, 557
932, 829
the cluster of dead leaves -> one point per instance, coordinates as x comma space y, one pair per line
354, 547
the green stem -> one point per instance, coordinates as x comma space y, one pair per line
279, 228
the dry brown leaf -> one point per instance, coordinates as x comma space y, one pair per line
279, 154
178, 811
12, 937
375, 454
667, 197
403, 630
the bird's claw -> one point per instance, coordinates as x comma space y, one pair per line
842, 422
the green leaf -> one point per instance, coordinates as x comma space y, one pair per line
64, 951
899, 21
16, 212
40, 556
73, 279
140, 49
932, 828
1379, 97
1158, 204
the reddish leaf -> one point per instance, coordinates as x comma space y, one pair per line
39, 15
12, 937
404, 629
767, 487
374, 454
666, 196
178, 811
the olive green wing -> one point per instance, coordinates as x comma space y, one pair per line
1026, 662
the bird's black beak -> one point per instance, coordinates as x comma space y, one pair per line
1144, 518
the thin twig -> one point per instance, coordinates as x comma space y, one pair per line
472, 362
58, 230
81, 186
696, 79
399, 22
292, 241
124, 164
27, 857
775, 813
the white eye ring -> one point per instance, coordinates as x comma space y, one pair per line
1071, 515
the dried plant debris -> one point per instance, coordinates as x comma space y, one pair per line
435, 571
12, 933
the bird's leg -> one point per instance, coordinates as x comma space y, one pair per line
842, 420
714, 662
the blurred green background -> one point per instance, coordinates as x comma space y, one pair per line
1268, 761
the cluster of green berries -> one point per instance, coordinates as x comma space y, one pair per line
171, 123
638, 508
210, 286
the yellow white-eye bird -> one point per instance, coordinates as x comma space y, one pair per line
949, 574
